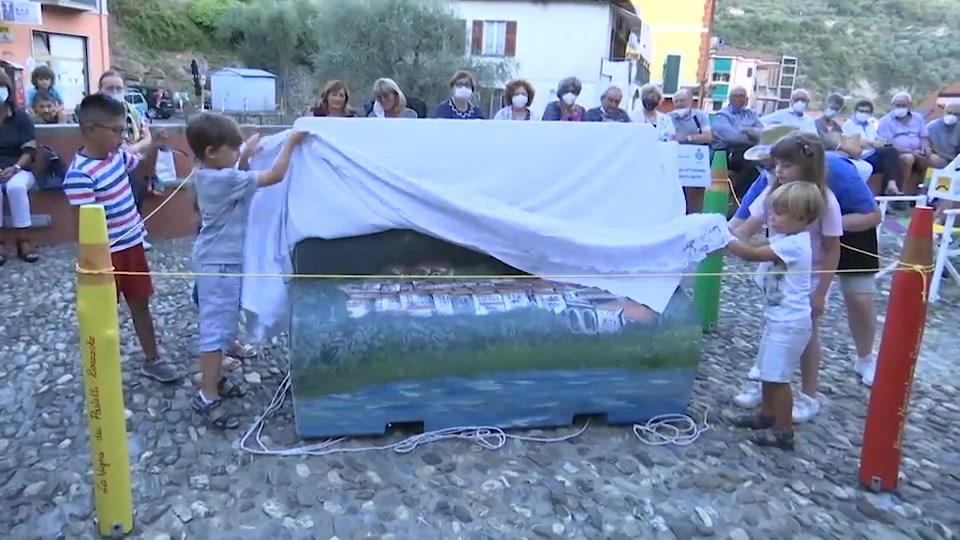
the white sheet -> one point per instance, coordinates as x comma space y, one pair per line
548, 198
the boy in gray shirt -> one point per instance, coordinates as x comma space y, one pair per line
224, 187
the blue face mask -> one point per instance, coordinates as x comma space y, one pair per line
4, 93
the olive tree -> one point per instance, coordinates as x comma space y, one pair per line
275, 35
418, 43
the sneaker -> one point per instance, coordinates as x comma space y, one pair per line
804, 408
146, 245
868, 374
750, 397
160, 371
862, 364
754, 374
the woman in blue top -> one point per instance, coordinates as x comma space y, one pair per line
859, 260
458, 106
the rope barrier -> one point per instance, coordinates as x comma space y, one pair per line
193, 275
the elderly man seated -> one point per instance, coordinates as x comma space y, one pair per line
882, 157
693, 127
736, 128
945, 137
794, 116
609, 109
829, 122
907, 132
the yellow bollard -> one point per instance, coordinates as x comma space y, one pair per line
102, 382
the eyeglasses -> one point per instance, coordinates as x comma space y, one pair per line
117, 130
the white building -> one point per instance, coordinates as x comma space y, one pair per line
550, 40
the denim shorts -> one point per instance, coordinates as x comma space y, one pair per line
218, 298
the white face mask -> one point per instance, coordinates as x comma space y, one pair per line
682, 112
799, 106
4, 93
462, 92
569, 98
862, 117
519, 100
900, 112
118, 96
949, 119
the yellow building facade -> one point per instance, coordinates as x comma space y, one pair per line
680, 31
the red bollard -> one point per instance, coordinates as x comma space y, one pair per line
897, 358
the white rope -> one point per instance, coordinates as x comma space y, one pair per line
675, 429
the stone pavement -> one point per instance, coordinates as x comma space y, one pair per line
605, 484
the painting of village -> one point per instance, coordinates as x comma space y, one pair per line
586, 310
428, 324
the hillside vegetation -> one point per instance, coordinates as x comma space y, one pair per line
867, 48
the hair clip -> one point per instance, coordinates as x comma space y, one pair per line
805, 148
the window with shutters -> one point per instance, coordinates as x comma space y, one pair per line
494, 38
671, 74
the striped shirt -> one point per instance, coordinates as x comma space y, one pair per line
106, 182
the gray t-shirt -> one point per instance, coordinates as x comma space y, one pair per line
687, 125
223, 196
944, 139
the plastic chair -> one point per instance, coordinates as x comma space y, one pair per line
894, 226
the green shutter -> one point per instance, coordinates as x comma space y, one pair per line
671, 74
722, 65
719, 92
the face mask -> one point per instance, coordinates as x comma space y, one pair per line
519, 100
830, 113
4, 94
462, 92
117, 96
799, 106
569, 98
900, 112
650, 104
682, 112
950, 119
862, 117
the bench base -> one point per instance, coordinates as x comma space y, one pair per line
37, 221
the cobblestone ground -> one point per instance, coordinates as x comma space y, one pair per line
604, 484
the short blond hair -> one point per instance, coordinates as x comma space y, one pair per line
386, 86
799, 200
651, 91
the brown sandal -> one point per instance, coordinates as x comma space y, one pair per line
754, 421
26, 253
774, 438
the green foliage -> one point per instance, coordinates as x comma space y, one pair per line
207, 13
418, 43
274, 35
158, 25
868, 47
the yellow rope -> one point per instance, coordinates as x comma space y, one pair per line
923, 270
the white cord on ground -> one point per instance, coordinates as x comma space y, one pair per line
676, 429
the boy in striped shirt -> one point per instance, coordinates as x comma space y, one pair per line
98, 174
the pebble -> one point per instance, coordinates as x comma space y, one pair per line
193, 482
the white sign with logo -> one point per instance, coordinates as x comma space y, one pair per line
690, 162
945, 182
21, 12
